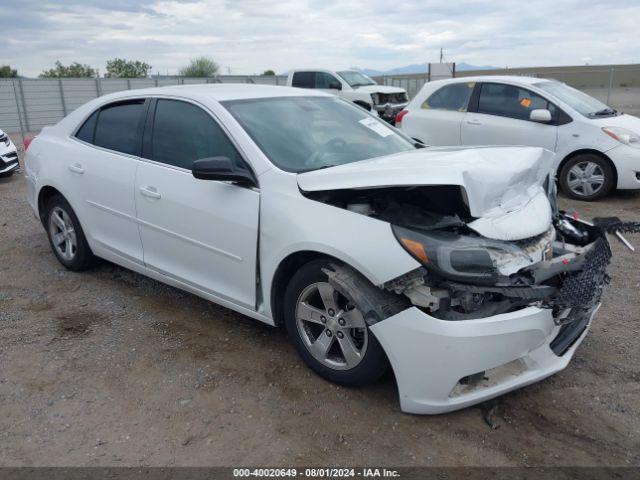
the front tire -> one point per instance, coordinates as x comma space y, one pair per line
66, 237
587, 177
329, 331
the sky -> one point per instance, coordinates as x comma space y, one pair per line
250, 36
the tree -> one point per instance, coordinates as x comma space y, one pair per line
7, 72
200, 67
269, 72
122, 68
74, 70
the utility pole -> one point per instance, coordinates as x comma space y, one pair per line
441, 55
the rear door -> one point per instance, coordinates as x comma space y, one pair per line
438, 119
499, 115
201, 233
103, 173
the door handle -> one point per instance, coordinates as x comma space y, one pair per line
474, 122
150, 192
76, 168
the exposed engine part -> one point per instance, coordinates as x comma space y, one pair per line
426, 297
425, 207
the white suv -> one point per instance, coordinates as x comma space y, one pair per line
354, 86
596, 148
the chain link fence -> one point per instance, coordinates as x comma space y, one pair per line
27, 105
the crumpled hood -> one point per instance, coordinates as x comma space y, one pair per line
380, 89
504, 185
627, 121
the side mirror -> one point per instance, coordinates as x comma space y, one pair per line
335, 86
540, 115
221, 169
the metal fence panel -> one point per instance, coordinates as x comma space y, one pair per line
30, 104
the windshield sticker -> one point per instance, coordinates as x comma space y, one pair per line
376, 126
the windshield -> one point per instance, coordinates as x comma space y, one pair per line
356, 79
300, 134
580, 102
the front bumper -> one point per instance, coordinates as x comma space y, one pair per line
388, 111
430, 356
627, 162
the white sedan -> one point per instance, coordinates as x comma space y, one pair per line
300, 209
596, 148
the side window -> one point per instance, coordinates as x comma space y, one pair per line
453, 97
117, 127
304, 80
183, 132
511, 101
87, 130
325, 80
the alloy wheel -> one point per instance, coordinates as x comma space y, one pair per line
63, 234
331, 328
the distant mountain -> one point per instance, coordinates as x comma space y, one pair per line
419, 68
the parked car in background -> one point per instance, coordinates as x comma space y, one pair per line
8, 156
596, 147
355, 87
300, 209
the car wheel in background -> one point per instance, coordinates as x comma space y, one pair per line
329, 331
66, 237
586, 177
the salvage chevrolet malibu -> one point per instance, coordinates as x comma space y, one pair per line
452, 266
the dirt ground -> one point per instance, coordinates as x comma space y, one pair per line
107, 367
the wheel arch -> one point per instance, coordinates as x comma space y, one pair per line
286, 268
592, 152
44, 194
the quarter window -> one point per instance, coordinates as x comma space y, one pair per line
117, 127
511, 101
454, 97
88, 129
183, 133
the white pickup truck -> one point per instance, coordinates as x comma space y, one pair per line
354, 86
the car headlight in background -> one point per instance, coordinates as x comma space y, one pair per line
460, 257
623, 136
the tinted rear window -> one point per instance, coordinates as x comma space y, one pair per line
117, 127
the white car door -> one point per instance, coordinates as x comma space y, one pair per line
501, 117
199, 232
102, 172
438, 119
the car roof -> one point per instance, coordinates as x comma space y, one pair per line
220, 91
517, 79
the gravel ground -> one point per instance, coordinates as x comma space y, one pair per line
107, 367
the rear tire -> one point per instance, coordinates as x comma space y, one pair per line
66, 237
587, 177
329, 331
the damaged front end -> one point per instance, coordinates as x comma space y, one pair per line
466, 275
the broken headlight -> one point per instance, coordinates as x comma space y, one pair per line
460, 257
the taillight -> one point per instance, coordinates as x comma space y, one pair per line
27, 141
400, 116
